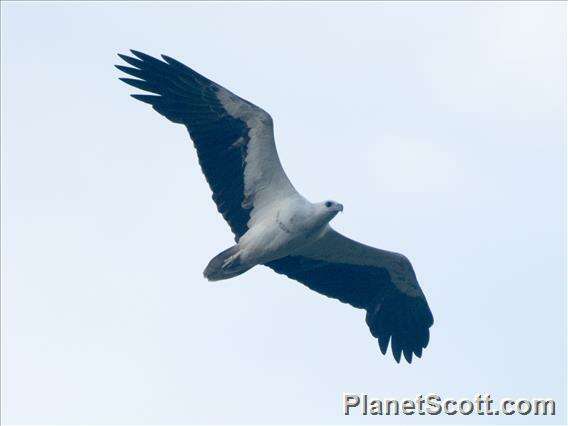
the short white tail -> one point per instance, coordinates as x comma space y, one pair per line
225, 265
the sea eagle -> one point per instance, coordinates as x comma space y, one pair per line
273, 224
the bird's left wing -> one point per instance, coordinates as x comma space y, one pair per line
381, 282
234, 139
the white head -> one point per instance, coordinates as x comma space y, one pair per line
328, 209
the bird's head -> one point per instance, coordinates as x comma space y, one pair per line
328, 209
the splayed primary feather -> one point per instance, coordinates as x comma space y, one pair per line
272, 223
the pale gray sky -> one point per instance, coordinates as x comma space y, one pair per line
439, 126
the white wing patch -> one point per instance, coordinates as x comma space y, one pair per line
336, 248
264, 179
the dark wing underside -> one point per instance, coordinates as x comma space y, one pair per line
223, 142
184, 96
392, 315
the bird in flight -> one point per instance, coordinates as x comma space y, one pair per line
273, 224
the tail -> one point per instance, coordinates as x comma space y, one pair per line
225, 265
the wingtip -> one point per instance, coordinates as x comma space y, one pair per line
384, 344
171, 61
144, 56
136, 53
147, 99
123, 57
396, 348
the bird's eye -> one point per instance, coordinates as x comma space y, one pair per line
328, 204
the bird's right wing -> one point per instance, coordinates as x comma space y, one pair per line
381, 282
234, 138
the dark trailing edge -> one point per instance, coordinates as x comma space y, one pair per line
221, 140
391, 314
186, 97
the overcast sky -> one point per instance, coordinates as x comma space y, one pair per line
440, 127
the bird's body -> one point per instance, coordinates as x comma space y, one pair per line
273, 224
285, 228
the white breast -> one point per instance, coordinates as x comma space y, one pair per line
284, 228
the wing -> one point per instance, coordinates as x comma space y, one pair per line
234, 138
381, 282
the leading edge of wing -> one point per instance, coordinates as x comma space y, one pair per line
401, 318
184, 96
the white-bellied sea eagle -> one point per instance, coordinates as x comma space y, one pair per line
273, 224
